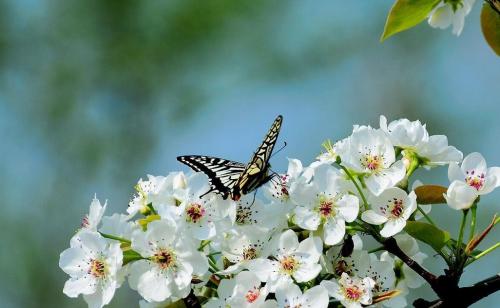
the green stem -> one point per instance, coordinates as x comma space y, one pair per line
365, 203
212, 263
427, 217
112, 237
461, 233
376, 249
482, 254
473, 221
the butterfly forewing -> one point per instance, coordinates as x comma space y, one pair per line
222, 173
256, 172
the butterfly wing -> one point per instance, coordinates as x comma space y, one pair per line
222, 173
256, 172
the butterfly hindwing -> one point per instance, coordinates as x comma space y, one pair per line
222, 173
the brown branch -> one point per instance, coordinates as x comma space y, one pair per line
464, 297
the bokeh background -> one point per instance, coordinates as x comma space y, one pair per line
96, 94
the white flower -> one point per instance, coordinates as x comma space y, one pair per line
242, 247
392, 208
412, 137
243, 291
171, 261
370, 152
352, 292
93, 266
470, 180
195, 215
449, 13
118, 225
289, 295
325, 202
279, 189
292, 259
158, 190
92, 220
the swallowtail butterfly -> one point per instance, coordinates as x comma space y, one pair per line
233, 179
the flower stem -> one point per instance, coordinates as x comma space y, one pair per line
365, 203
473, 221
427, 217
461, 233
482, 254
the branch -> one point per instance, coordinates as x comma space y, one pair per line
392, 246
464, 297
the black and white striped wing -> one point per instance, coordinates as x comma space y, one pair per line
222, 173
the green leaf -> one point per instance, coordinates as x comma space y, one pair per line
130, 256
427, 233
405, 14
490, 25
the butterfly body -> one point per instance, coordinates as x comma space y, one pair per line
233, 179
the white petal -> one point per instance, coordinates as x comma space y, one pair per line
348, 207
310, 249
460, 196
294, 167
334, 231
288, 242
153, 286
306, 272
306, 218
316, 297
474, 161
455, 173
73, 261
333, 288
441, 17
262, 268
75, 286
197, 261
373, 217
392, 227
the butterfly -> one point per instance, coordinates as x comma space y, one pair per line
233, 179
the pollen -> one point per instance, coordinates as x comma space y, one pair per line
97, 268
372, 162
249, 253
326, 207
165, 258
194, 212
252, 295
353, 293
396, 207
289, 265
475, 180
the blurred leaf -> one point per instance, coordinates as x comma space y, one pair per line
405, 14
490, 25
428, 234
430, 194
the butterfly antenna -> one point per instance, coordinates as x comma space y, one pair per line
284, 146
253, 200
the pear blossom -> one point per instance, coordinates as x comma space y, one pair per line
93, 265
392, 208
413, 138
370, 153
170, 261
352, 292
92, 220
196, 216
158, 190
118, 225
241, 248
279, 189
244, 291
449, 13
470, 180
325, 202
291, 259
289, 295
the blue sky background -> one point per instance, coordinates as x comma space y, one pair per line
96, 94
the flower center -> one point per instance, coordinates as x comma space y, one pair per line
342, 267
397, 207
474, 180
194, 212
326, 207
165, 258
243, 215
353, 293
372, 162
289, 264
252, 295
249, 253
97, 268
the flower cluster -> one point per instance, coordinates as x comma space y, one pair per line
300, 243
